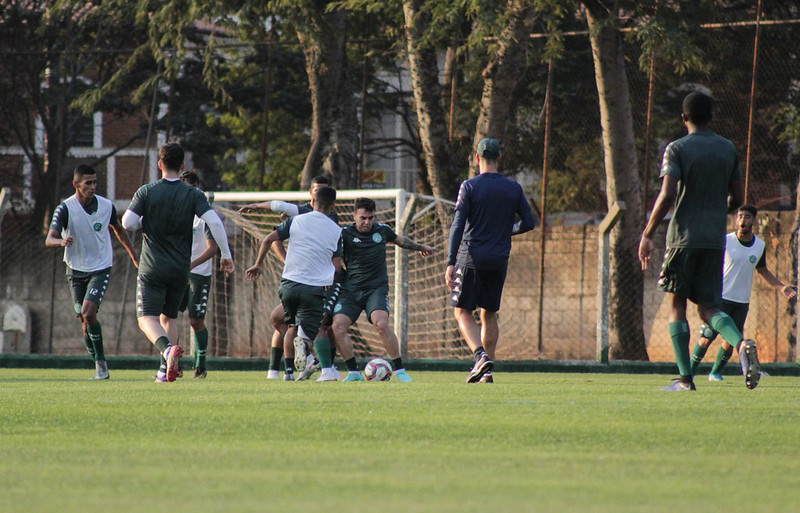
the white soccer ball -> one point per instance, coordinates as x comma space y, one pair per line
378, 369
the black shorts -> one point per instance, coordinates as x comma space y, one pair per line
693, 273
302, 305
478, 288
196, 297
88, 287
156, 295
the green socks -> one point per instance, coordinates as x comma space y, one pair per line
725, 326
697, 356
96, 336
201, 346
323, 347
89, 347
679, 332
722, 358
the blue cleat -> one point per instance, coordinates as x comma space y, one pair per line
715, 377
679, 386
352, 376
403, 376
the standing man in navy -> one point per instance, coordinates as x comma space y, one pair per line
165, 211
81, 226
480, 243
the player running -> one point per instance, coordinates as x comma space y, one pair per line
81, 225
744, 255
366, 285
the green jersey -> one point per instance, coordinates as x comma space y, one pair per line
365, 256
705, 164
167, 209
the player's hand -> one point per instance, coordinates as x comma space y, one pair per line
427, 251
449, 276
68, 241
253, 272
789, 291
226, 264
246, 209
646, 247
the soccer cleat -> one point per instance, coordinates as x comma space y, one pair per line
486, 378
200, 372
300, 354
751, 368
353, 376
326, 375
288, 376
336, 373
679, 386
312, 366
161, 378
482, 365
715, 377
173, 357
101, 370
403, 376
273, 374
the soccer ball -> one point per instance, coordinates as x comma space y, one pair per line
378, 369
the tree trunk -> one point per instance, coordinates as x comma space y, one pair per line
622, 183
334, 126
501, 77
439, 157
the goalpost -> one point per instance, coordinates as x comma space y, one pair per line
421, 312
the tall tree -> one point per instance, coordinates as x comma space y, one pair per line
622, 179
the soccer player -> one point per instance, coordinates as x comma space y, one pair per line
701, 180
366, 285
278, 346
480, 243
744, 255
165, 211
204, 248
81, 225
312, 262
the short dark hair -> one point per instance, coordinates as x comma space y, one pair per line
698, 107
320, 180
190, 177
749, 208
367, 204
83, 170
171, 154
326, 197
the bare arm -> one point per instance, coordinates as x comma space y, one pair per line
208, 254
664, 201
789, 291
254, 271
125, 240
406, 243
54, 240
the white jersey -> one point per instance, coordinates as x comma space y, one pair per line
91, 250
199, 245
740, 264
314, 240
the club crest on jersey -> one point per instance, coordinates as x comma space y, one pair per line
753, 259
376, 237
97, 226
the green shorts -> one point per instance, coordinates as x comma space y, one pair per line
196, 296
156, 295
693, 273
87, 287
352, 302
302, 305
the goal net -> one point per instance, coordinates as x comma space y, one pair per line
418, 297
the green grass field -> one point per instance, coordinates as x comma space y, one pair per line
531, 442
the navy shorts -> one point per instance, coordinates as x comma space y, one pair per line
88, 287
477, 288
